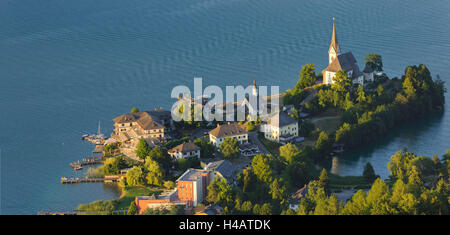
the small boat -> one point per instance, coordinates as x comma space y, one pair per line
78, 168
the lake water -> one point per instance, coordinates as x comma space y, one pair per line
65, 65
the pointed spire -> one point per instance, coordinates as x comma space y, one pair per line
334, 42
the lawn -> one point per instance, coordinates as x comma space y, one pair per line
129, 194
328, 124
347, 182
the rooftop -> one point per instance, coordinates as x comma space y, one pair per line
191, 175
344, 62
147, 120
184, 148
224, 167
227, 130
281, 119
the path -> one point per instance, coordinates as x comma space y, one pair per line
253, 137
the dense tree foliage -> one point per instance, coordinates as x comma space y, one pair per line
134, 110
142, 149
374, 61
229, 148
207, 149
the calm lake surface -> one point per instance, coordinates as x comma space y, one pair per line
65, 65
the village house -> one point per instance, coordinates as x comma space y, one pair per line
234, 131
346, 61
281, 128
158, 201
222, 168
152, 126
185, 150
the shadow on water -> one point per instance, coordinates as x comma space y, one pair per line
410, 135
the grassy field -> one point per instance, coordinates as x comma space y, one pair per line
130, 193
328, 124
347, 182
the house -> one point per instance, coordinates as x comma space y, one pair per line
158, 201
150, 125
191, 186
346, 61
184, 150
222, 168
281, 128
218, 135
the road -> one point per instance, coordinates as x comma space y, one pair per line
253, 138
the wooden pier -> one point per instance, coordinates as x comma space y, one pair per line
87, 161
76, 180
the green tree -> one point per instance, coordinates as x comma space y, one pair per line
132, 210
207, 150
266, 209
134, 110
295, 114
142, 149
343, 134
307, 78
279, 191
246, 207
219, 192
341, 83
288, 152
361, 95
324, 144
324, 181
369, 173
135, 176
229, 148
357, 205
408, 88
399, 164
262, 167
155, 173
375, 61
378, 198
380, 90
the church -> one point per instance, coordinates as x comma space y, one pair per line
346, 61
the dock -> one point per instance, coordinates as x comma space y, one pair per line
77, 180
87, 161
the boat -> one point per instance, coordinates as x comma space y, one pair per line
78, 168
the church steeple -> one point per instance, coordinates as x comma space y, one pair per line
334, 50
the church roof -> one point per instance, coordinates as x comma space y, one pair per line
344, 62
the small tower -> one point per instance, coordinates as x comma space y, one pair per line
254, 90
334, 50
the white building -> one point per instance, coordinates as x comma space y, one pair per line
347, 62
234, 131
185, 150
281, 128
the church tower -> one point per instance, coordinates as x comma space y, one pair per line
334, 50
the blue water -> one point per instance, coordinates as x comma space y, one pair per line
65, 65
